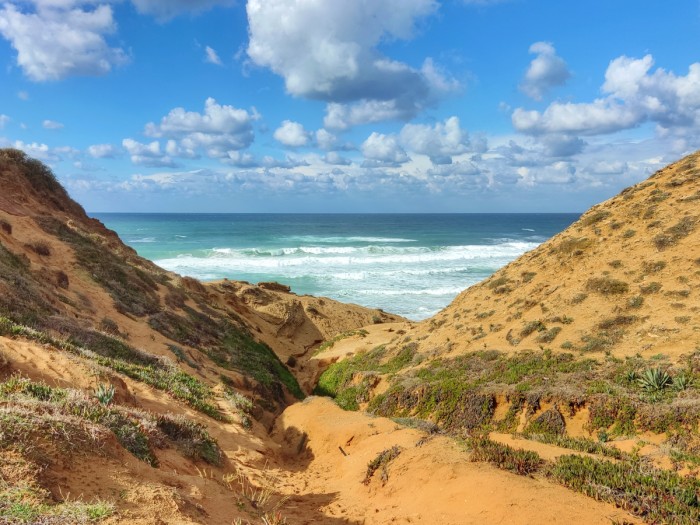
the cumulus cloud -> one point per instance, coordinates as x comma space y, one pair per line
292, 134
52, 124
336, 159
634, 95
212, 57
547, 70
338, 61
149, 155
102, 151
380, 149
60, 39
166, 9
218, 130
325, 139
439, 142
37, 150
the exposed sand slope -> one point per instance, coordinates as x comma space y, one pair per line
625, 278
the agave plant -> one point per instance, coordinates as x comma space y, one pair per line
682, 381
632, 376
104, 393
654, 380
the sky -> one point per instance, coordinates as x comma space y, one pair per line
371, 106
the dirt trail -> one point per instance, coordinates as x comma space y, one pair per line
322, 467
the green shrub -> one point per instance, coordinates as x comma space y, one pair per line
606, 286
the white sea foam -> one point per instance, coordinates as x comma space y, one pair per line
313, 239
374, 275
144, 239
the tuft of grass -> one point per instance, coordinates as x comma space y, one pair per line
580, 444
549, 335
242, 405
606, 286
532, 326
523, 462
594, 217
574, 245
191, 438
653, 266
671, 236
652, 287
381, 461
40, 248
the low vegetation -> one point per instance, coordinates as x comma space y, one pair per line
112, 353
139, 432
523, 462
381, 463
658, 496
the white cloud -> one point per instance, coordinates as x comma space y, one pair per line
383, 150
215, 119
344, 116
23, 95
547, 70
218, 130
338, 61
334, 158
59, 39
634, 95
597, 117
292, 134
102, 151
325, 139
36, 150
166, 9
4, 119
147, 154
52, 124
560, 145
211, 56
439, 142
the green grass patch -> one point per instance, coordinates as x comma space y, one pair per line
522, 462
659, 496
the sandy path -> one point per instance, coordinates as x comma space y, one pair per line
431, 483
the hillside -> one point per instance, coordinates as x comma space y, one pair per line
129, 394
592, 339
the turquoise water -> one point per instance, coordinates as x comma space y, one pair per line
412, 265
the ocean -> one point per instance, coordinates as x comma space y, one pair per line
412, 265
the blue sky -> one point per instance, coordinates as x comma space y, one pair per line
349, 105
